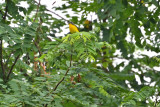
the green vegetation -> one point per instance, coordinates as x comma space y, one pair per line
92, 68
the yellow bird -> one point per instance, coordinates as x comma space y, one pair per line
87, 25
73, 28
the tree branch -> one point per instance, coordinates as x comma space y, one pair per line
37, 10
10, 71
64, 75
36, 44
61, 79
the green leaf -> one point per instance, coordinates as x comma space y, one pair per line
40, 78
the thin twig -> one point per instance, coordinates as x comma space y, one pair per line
54, 13
61, 80
53, 2
37, 10
40, 53
57, 15
36, 44
64, 75
10, 71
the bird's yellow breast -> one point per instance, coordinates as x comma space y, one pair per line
73, 28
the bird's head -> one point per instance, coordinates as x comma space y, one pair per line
69, 22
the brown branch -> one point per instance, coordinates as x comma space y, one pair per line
40, 53
61, 79
10, 71
36, 44
37, 10
64, 75
35, 41
53, 2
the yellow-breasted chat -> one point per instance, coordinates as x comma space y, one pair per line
72, 27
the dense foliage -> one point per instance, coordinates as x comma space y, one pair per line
101, 66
